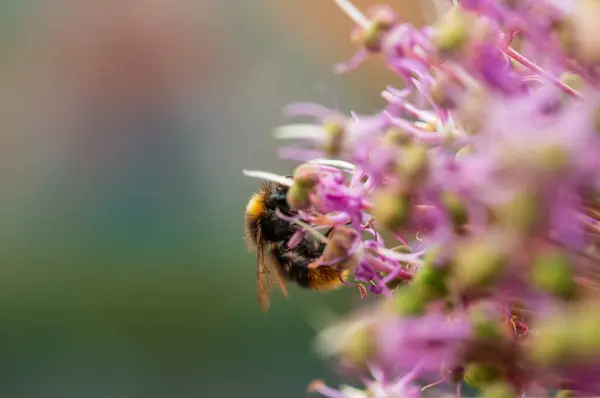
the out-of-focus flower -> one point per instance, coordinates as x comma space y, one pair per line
376, 386
482, 172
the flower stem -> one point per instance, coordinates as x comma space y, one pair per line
536, 68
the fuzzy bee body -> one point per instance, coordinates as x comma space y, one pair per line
268, 235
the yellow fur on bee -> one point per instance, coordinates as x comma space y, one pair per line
325, 278
256, 206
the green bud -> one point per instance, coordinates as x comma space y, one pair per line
478, 264
395, 136
455, 208
414, 164
334, 133
391, 210
485, 323
564, 394
553, 343
360, 347
410, 301
432, 281
554, 158
370, 38
306, 176
452, 32
403, 249
553, 273
585, 334
298, 197
431, 278
499, 390
480, 375
521, 213
572, 80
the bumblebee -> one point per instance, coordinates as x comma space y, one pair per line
268, 235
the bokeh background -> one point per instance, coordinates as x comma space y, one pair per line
124, 129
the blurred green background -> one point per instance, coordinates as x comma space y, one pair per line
124, 127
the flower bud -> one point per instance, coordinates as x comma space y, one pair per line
553, 273
553, 343
486, 323
414, 164
341, 239
480, 375
391, 210
360, 347
432, 281
299, 197
382, 20
305, 178
572, 80
431, 278
478, 264
568, 337
586, 36
410, 300
352, 340
370, 38
454, 208
554, 158
585, 333
521, 213
563, 394
306, 175
334, 139
452, 32
397, 137
499, 390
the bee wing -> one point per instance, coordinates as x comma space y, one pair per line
267, 276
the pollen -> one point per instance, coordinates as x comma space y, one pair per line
256, 206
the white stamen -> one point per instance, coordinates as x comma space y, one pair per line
354, 13
300, 130
264, 175
334, 163
412, 258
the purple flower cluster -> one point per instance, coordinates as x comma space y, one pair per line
470, 204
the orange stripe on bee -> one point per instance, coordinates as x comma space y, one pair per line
325, 278
256, 206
